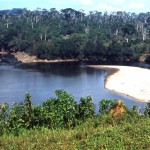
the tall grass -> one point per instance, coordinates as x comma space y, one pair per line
100, 132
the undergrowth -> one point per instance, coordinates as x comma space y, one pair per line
61, 123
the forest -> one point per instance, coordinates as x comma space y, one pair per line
72, 34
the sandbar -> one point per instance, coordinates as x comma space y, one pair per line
128, 80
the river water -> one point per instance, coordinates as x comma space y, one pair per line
41, 81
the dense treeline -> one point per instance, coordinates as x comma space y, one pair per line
59, 112
69, 33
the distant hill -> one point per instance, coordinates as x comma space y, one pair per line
72, 34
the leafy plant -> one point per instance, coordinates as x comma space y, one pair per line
63, 112
86, 108
28, 110
104, 105
3, 117
60, 111
147, 109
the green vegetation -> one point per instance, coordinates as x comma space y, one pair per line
61, 123
53, 34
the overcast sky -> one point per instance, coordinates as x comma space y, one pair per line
87, 5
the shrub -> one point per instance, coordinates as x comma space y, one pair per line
147, 109
104, 106
86, 108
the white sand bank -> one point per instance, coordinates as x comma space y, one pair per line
132, 81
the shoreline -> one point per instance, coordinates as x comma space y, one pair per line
30, 59
126, 80
117, 79
3, 52
25, 58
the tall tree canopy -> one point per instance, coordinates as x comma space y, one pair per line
52, 34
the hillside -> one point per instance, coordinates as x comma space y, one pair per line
71, 34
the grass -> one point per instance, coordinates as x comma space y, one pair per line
130, 132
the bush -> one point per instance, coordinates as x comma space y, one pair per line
86, 108
104, 105
59, 112
147, 110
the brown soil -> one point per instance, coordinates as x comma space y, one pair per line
26, 58
118, 109
3, 52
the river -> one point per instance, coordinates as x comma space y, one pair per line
41, 80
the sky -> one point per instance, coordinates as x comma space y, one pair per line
136, 6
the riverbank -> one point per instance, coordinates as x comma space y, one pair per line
131, 81
25, 58
3, 52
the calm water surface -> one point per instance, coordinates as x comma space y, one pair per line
42, 80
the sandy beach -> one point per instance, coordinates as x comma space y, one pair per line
131, 81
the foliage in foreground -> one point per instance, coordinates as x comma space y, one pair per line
100, 132
61, 123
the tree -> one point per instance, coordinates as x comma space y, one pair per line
127, 30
